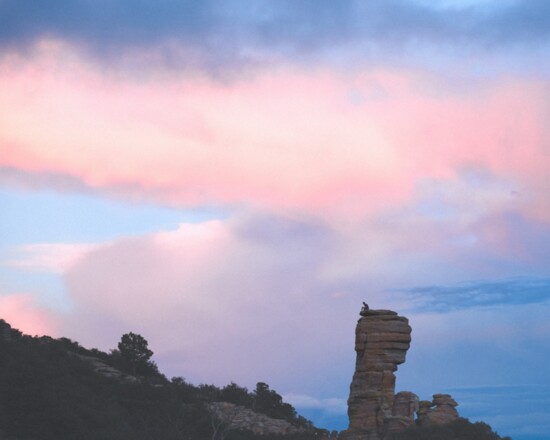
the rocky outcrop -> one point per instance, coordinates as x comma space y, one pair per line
228, 416
405, 406
382, 339
438, 412
424, 407
103, 369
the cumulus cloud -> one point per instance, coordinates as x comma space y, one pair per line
260, 297
214, 290
260, 290
238, 289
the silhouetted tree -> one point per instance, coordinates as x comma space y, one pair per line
236, 394
134, 350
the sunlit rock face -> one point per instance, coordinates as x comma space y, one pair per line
382, 339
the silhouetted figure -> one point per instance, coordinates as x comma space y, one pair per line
365, 308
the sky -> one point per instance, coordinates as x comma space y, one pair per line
232, 179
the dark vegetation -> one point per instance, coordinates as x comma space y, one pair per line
50, 391
461, 429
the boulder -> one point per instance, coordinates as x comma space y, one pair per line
406, 404
440, 411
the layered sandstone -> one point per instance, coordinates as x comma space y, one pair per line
382, 339
438, 412
405, 407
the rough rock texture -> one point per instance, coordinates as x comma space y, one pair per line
405, 406
424, 407
440, 411
234, 417
381, 341
105, 370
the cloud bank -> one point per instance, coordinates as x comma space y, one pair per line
217, 35
323, 142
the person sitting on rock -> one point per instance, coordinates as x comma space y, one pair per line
365, 307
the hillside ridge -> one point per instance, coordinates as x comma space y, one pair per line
53, 389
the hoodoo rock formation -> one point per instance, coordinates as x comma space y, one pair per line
382, 339
441, 410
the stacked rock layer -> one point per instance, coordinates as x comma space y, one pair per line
438, 412
381, 341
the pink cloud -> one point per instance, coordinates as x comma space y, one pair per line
241, 289
237, 299
321, 141
21, 312
391, 149
237, 291
257, 298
